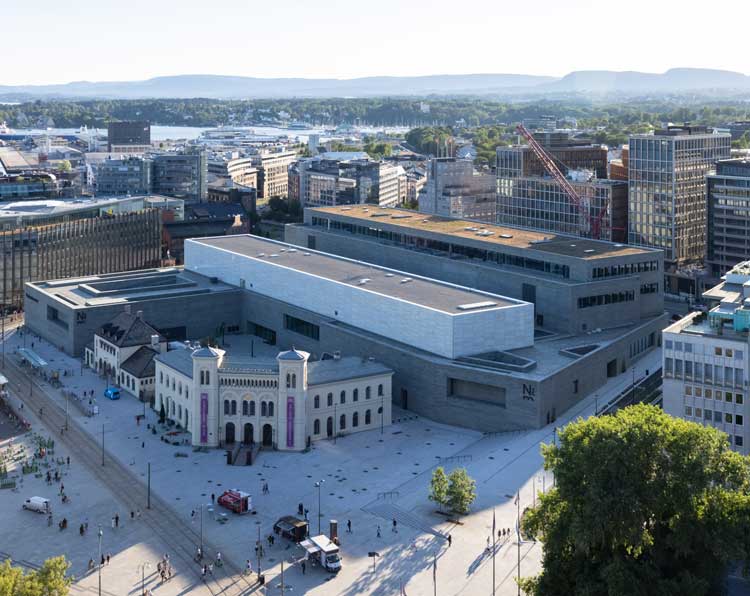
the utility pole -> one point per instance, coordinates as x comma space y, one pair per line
148, 494
102, 443
319, 485
100, 560
282, 577
518, 539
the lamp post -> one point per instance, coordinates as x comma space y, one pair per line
148, 493
319, 485
143, 567
99, 561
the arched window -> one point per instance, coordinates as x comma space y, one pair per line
316, 401
179, 387
288, 380
368, 417
226, 407
187, 393
330, 399
294, 381
355, 419
367, 392
355, 395
252, 408
244, 407
316, 427
174, 384
343, 397
161, 377
208, 381
270, 408
380, 389
263, 409
342, 422
234, 407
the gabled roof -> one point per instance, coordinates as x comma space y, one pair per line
127, 330
141, 363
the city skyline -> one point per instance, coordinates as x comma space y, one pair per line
290, 38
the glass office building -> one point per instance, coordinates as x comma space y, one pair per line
728, 215
667, 192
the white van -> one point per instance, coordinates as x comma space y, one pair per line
38, 504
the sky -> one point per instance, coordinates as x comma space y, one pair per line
108, 40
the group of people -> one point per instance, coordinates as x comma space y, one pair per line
164, 567
502, 534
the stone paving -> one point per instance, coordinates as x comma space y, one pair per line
369, 478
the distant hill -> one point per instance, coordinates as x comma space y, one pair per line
676, 80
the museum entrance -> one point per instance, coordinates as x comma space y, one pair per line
247, 435
267, 435
229, 432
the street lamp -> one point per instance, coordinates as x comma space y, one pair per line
143, 567
319, 485
99, 561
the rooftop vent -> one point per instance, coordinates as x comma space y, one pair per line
589, 250
476, 305
406, 280
619, 245
292, 250
261, 254
506, 235
400, 216
363, 281
274, 255
306, 254
389, 274
346, 208
471, 229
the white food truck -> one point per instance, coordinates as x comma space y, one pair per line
322, 551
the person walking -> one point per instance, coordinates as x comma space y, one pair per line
117, 520
349, 526
378, 531
108, 556
488, 545
213, 497
303, 567
248, 567
393, 528
450, 540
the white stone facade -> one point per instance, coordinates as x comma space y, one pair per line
221, 401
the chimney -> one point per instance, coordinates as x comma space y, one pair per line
139, 314
155, 342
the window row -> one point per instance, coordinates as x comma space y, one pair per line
248, 408
175, 384
627, 269
261, 383
602, 299
699, 349
342, 396
354, 419
714, 416
704, 372
717, 394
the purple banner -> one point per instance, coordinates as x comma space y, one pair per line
290, 421
204, 417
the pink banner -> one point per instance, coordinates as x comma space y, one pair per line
290, 421
204, 417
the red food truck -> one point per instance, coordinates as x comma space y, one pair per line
236, 501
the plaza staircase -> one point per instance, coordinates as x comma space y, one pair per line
389, 512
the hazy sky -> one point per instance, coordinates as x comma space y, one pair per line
54, 41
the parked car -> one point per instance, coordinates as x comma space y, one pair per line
112, 393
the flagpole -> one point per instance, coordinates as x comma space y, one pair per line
434, 575
494, 538
518, 539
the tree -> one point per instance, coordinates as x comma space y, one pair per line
49, 580
643, 504
439, 487
64, 166
461, 490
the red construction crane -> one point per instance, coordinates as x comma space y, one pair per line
595, 223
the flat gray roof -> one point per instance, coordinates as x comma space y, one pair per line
126, 287
431, 293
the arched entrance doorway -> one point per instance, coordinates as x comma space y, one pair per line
267, 435
329, 427
229, 433
247, 435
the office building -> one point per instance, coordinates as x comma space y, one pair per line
728, 215
182, 175
239, 169
706, 360
667, 195
568, 154
129, 137
738, 129
54, 239
454, 189
342, 178
567, 279
30, 185
273, 172
618, 167
127, 176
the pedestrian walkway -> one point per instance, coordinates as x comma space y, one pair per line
390, 512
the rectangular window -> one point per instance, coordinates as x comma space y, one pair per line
688, 411
688, 390
717, 351
708, 393
266, 334
678, 346
728, 396
717, 416
698, 391
707, 414
668, 344
708, 371
728, 352
738, 399
688, 368
678, 368
668, 366
728, 418
738, 354
688, 347
738, 419
302, 327
738, 440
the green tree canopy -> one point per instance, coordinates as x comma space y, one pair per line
461, 490
644, 504
49, 580
439, 487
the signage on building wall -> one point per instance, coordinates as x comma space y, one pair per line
290, 421
204, 417
529, 392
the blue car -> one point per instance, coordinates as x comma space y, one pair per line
112, 393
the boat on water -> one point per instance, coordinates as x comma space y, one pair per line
298, 125
4, 129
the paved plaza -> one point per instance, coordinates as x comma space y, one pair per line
369, 478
